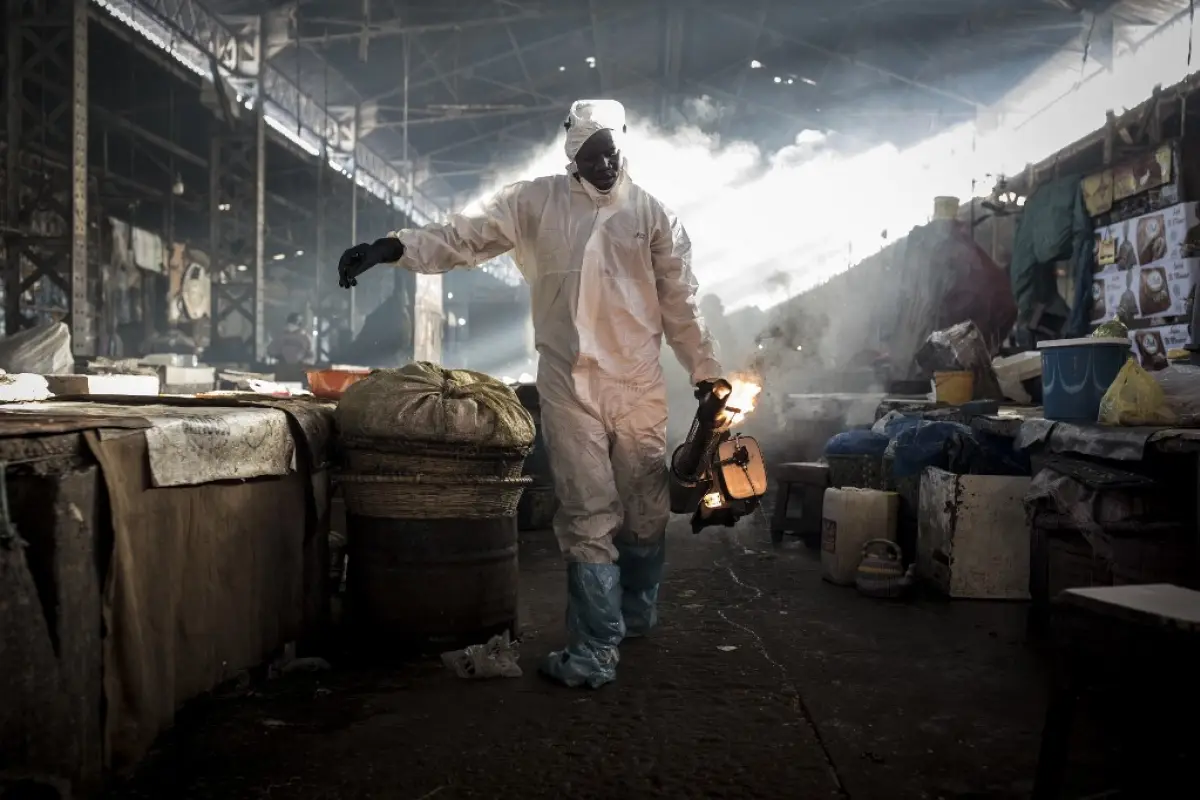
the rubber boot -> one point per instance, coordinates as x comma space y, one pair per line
594, 627
641, 574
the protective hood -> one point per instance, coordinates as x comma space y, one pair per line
588, 117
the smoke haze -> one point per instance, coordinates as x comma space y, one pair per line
765, 226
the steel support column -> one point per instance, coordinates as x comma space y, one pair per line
355, 322
321, 346
674, 31
237, 191
46, 195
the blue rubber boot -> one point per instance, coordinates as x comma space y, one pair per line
594, 627
641, 574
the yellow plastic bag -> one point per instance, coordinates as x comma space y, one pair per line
1135, 399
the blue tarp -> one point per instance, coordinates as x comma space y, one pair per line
915, 443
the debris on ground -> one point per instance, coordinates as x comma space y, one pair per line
310, 664
495, 659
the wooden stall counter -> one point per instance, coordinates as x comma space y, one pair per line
151, 549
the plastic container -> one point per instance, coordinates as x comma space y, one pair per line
954, 388
330, 384
851, 518
1076, 373
945, 207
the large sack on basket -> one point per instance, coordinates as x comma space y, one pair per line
423, 402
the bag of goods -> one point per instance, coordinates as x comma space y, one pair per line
424, 442
428, 404
1135, 399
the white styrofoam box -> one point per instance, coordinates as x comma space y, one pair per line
187, 380
972, 536
1012, 370
1151, 345
129, 385
1157, 236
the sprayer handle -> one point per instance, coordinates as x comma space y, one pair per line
705, 388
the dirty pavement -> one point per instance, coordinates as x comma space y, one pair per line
762, 682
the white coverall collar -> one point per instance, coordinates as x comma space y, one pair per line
601, 199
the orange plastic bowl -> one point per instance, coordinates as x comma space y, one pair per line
330, 384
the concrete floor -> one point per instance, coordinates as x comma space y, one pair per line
762, 682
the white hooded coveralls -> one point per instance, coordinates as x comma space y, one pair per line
610, 275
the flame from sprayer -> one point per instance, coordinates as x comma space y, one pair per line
741, 400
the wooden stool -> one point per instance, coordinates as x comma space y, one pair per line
810, 480
1132, 636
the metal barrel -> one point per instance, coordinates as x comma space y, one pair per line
417, 582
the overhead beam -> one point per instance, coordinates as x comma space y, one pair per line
197, 38
494, 134
469, 116
386, 28
844, 58
466, 69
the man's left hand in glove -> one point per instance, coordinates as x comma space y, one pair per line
362, 257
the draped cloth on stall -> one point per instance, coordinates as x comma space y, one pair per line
1054, 226
943, 278
194, 444
204, 580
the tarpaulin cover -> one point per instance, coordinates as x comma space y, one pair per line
857, 443
1054, 226
945, 279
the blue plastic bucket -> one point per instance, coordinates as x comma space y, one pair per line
1076, 373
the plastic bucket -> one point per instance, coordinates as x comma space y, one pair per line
954, 388
945, 207
1076, 373
330, 384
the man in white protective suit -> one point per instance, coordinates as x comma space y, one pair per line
610, 273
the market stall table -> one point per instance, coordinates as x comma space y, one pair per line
168, 544
1112, 504
1133, 641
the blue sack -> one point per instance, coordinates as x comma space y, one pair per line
857, 443
931, 444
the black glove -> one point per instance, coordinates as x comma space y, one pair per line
704, 389
362, 257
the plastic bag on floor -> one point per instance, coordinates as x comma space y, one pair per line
1135, 399
44, 350
496, 659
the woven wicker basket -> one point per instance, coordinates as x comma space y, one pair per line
431, 496
862, 472
392, 457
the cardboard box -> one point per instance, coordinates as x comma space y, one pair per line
1157, 236
972, 538
1151, 345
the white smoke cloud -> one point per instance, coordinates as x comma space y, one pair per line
811, 210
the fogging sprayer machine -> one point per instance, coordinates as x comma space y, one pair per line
717, 474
